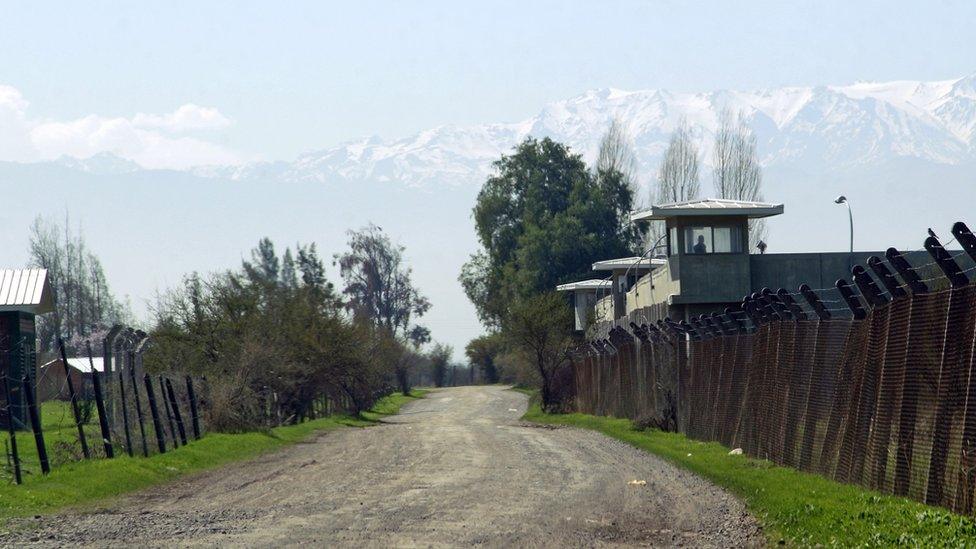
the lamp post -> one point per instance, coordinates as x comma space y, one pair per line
843, 200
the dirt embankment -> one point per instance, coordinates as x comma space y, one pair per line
457, 468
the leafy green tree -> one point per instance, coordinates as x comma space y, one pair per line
264, 265
482, 352
542, 219
539, 328
380, 291
273, 348
440, 357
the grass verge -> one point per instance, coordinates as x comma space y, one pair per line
80, 483
795, 508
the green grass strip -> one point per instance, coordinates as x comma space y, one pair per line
795, 508
81, 483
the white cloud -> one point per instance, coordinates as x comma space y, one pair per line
151, 140
188, 117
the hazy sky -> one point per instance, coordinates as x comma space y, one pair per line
173, 85
270, 80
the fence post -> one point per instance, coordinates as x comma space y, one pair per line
100, 405
194, 414
736, 318
868, 288
35, 421
777, 306
174, 404
110, 367
965, 237
154, 410
125, 415
752, 310
906, 271
887, 279
131, 360
11, 428
945, 262
170, 422
74, 401
724, 323
814, 302
791, 304
853, 302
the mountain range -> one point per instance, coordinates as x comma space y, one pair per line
826, 127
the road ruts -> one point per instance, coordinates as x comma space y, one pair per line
456, 468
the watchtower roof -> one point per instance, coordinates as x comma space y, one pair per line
632, 263
584, 285
708, 207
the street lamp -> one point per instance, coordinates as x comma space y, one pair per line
843, 200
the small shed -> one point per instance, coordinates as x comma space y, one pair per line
52, 383
24, 294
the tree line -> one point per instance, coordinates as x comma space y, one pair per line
274, 338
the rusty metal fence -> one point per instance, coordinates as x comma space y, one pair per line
879, 391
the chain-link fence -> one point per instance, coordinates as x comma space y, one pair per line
880, 392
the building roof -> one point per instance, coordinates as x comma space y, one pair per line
25, 290
634, 263
593, 284
79, 363
709, 207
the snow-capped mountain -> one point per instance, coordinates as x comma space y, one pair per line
100, 164
831, 127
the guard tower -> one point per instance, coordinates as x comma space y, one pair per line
24, 293
708, 263
583, 295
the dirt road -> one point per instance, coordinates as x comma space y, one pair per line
456, 468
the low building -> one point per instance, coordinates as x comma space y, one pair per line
52, 381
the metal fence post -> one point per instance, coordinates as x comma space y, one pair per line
194, 415
154, 410
35, 421
100, 405
11, 429
74, 401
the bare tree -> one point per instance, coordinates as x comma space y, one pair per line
617, 153
84, 304
736, 173
616, 166
677, 178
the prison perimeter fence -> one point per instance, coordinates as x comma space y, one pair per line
876, 387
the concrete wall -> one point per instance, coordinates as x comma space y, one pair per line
822, 270
712, 278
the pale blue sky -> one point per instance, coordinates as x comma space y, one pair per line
179, 84
296, 76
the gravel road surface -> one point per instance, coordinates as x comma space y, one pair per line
456, 468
